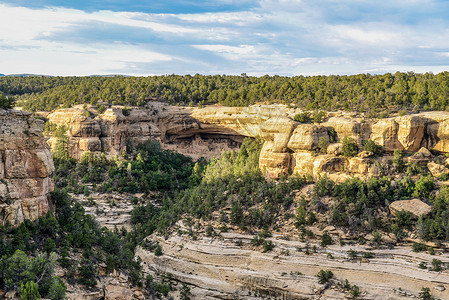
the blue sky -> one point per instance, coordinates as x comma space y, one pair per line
285, 37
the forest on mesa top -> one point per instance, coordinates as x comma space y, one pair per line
373, 94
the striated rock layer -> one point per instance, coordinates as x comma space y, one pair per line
112, 132
289, 145
229, 268
25, 168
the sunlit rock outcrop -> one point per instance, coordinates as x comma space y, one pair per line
25, 168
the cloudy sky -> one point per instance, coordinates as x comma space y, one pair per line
285, 37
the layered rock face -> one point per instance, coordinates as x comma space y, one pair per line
113, 131
25, 168
289, 145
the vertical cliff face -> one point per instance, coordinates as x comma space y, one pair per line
25, 168
115, 129
289, 145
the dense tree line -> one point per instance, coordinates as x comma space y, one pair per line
362, 92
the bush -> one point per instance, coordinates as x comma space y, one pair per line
369, 145
425, 294
323, 143
87, 273
423, 187
326, 239
436, 265
101, 109
377, 238
350, 147
319, 116
29, 291
398, 160
323, 187
158, 250
324, 276
6, 102
303, 117
125, 111
355, 291
57, 289
267, 246
418, 247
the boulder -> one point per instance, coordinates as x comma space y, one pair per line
358, 165
365, 154
335, 148
437, 170
415, 206
307, 137
423, 152
116, 292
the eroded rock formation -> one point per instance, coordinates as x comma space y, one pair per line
289, 145
25, 168
113, 131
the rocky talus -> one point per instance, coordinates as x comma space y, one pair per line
289, 146
227, 267
25, 168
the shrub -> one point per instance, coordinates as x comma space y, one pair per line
6, 102
101, 109
323, 187
423, 187
319, 116
87, 272
437, 265
323, 143
326, 239
352, 254
350, 147
398, 160
425, 294
268, 246
29, 291
355, 291
324, 276
57, 289
377, 238
418, 247
369, 145
158, 250
125, 111
303, 117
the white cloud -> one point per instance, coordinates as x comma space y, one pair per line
279, 36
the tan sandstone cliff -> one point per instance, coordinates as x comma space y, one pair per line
25, 168
289, 145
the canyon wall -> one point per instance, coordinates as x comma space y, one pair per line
116, 129
25, 168
290, 146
